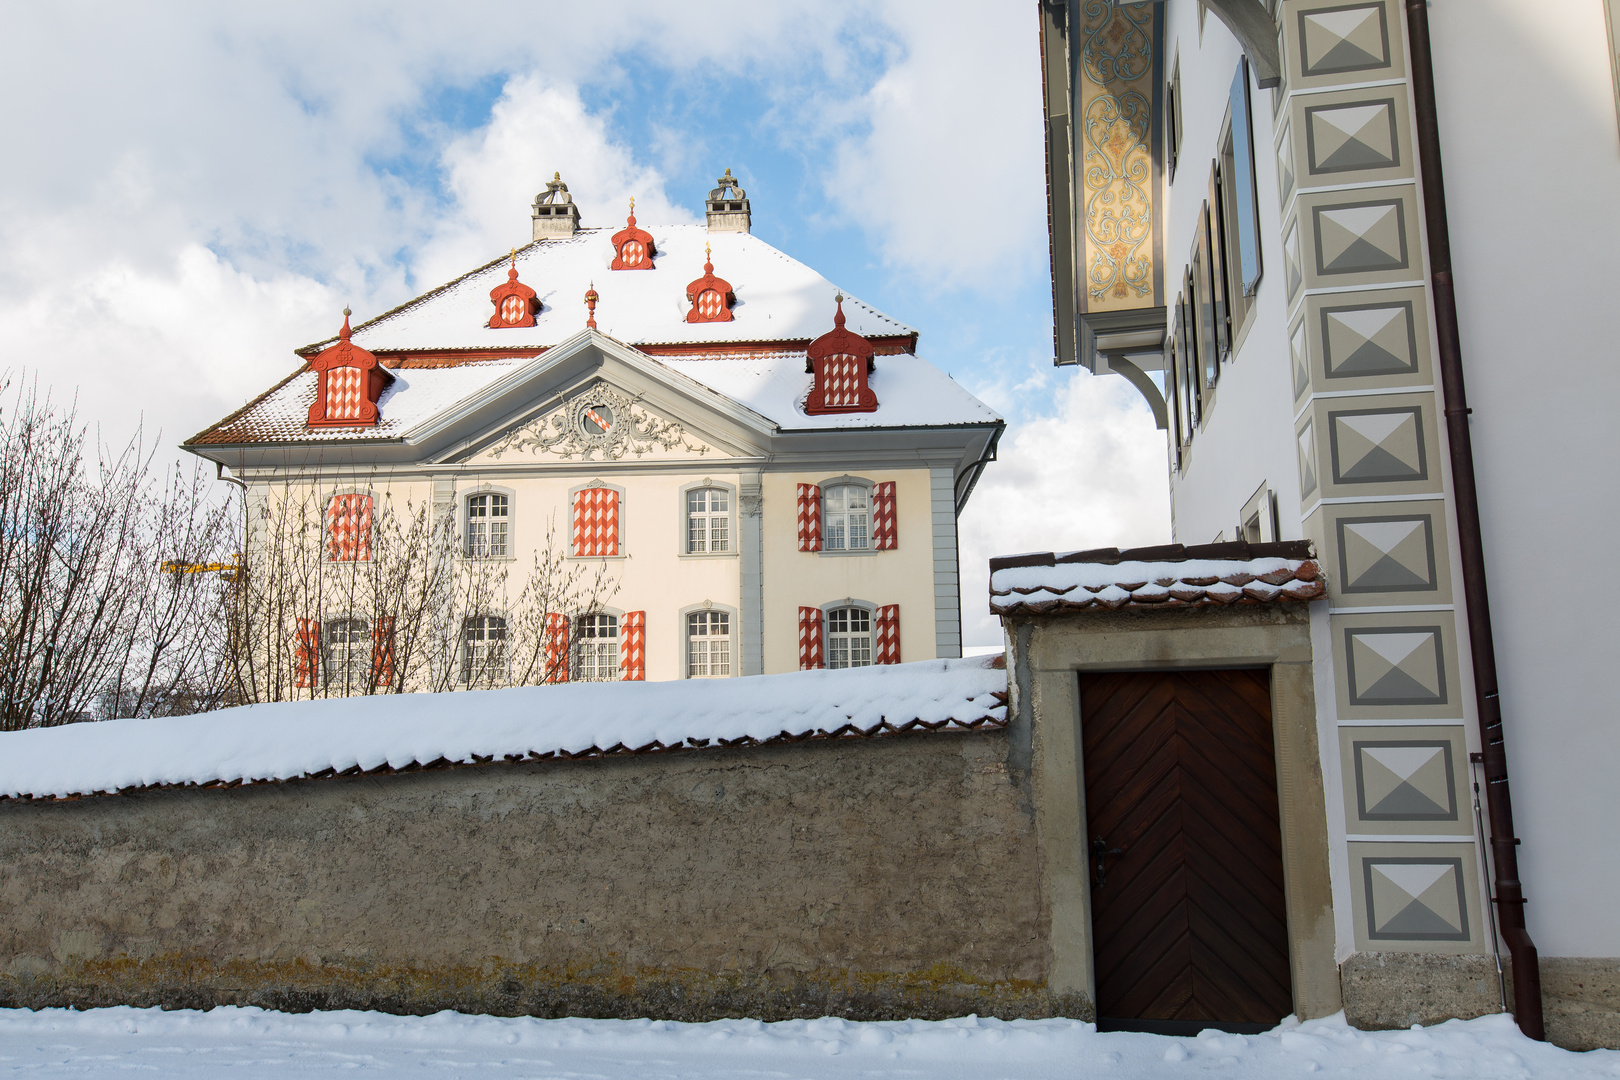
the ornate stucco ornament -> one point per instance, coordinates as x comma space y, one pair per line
598, 424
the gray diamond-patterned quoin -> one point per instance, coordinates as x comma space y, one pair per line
1343, 38
1369, 339
1405, 781
1415, 899
1377, 446
1352, 136
1396, 666
1386, 555
1360, 238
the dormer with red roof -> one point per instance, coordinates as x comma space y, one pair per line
632, 247
349, 383
840, 360
515, 303
711, 297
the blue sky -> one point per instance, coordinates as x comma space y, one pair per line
197, 189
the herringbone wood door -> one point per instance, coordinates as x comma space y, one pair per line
1188, 921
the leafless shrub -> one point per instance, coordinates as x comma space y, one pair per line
414, 613
91, 626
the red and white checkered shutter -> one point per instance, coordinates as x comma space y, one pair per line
809, 518
885, 533
382, 652
887, 645
556, 647
596, 522
633, 646
348, 528
307, 653
810, 655
345, 389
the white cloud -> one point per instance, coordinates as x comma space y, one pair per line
948, 171
194, 191
537, 128
1092, 473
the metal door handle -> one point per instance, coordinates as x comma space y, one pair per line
1101, 851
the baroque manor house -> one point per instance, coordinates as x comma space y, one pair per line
1250, 223
765, 468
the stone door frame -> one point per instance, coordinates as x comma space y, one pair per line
1047, 653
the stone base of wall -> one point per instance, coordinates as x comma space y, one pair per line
503, 989
1581, 999
1580, 996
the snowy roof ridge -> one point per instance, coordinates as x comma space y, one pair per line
779, 298
391, 733
1165, 577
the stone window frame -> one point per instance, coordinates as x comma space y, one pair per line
576, 639
463, 644
828, 608
683, 539
463, 505
846, 480
356, 680
734, 638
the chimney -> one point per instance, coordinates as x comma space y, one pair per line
728, 206
555, 215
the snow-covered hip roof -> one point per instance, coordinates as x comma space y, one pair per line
442, 352
778, 298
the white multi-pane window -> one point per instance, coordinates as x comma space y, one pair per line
708, 521
483, 651
846, 518
708, 644
849, 637
596, 652
348, 654
488, 526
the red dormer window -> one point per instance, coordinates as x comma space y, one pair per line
711, 297
840, 360
515, 303
632, 248
349, 383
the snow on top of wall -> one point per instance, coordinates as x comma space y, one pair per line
286, 740
778, 297
1077, 586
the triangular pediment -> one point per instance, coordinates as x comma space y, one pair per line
596, 422
594, 399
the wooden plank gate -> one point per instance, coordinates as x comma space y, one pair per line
1189, 928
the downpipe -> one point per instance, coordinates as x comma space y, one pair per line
1509, 897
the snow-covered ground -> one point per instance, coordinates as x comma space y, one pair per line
250, 1043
